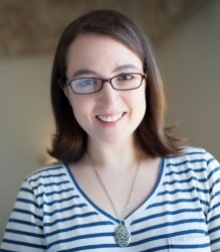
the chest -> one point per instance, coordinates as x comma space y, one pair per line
159, 226
171, 218
115, 192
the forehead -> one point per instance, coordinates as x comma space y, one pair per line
91, 39
92, 50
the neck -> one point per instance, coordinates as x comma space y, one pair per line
111, 155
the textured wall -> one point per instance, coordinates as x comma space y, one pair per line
33, 27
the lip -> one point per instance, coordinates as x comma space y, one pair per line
110, 118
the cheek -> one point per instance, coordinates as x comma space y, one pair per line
81, 108
139, 100
77, 107
141, 106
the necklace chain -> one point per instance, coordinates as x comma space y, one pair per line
123, 231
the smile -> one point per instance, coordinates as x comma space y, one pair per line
112, 118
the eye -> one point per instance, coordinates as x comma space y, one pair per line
85, 82
125, 77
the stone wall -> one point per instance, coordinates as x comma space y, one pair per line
33, 27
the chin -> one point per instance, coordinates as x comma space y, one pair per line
114, 140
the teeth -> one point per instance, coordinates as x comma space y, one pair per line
110, 118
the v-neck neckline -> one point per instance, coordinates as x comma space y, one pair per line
132, 215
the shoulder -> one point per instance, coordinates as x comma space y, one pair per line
195, 159
50, 176
192, 154
54, 169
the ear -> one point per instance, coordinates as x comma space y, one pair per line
66, 92
64, 88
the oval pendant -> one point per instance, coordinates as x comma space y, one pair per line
122, 236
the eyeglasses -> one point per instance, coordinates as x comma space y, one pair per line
121, 82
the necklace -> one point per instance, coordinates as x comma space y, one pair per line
122, 233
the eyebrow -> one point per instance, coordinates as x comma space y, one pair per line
124, 67
83, 72
89, 71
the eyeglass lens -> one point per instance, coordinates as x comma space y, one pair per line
121, 82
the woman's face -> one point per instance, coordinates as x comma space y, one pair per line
108, 116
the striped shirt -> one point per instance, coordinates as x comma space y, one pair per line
52, 213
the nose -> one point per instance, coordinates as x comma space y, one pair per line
107, 95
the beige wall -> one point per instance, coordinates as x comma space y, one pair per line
190, 65
25, 124
189, 60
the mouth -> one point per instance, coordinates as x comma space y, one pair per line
110, 118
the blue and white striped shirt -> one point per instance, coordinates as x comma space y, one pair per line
52, 213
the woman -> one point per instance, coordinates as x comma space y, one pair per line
124, 182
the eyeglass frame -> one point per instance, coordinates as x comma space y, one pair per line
109, 80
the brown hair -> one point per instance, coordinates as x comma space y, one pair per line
70, 140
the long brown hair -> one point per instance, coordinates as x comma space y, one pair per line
70, 140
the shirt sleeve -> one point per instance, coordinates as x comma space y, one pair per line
24, 230
213, 214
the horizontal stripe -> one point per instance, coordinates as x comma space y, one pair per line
169, 235
167, 224
185, 171
173, 202
65, 209
53, 213
47, 169
46, 177
50, 184
24, 223
91, 247
205, 245
25, 244
14, 231
27, 201
184, 191
186, 162
82, 226
54, 192
22, 211
167, 213
70, 218
182, 181
81, 237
